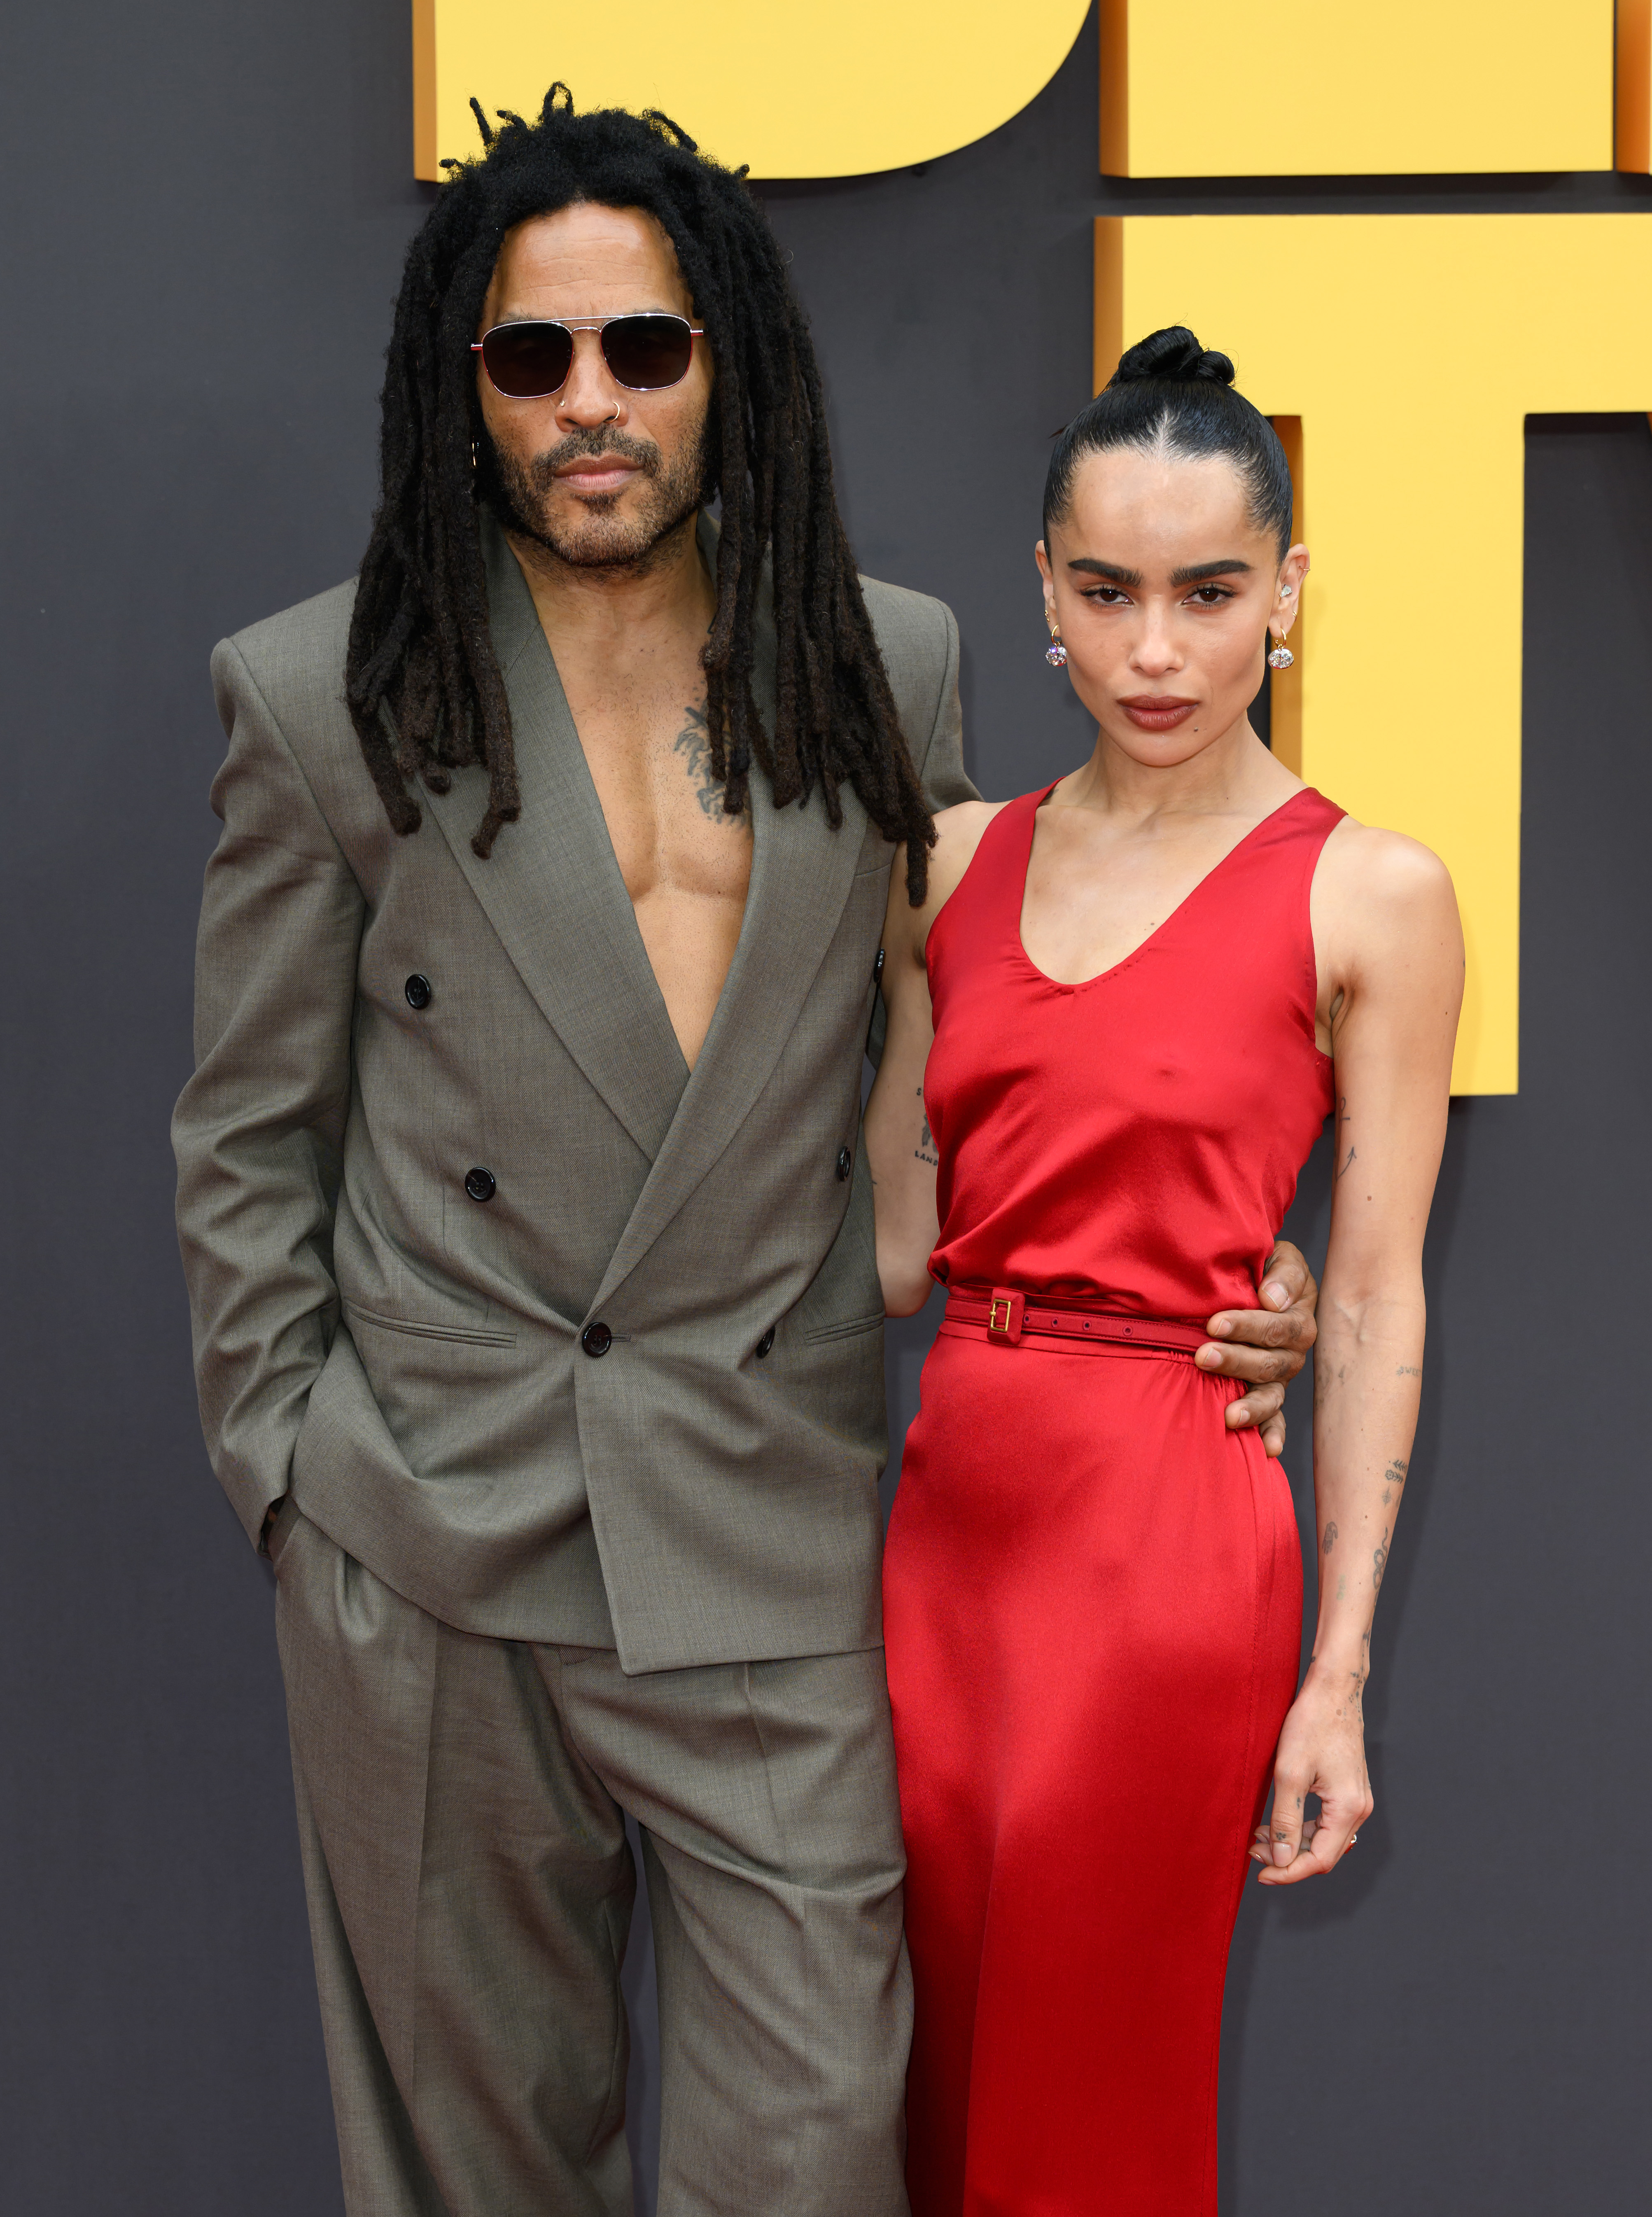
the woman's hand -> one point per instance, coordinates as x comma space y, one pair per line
1322, 1751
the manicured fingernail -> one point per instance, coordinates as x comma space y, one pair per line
1279, 1297
1220, 1328
1282, 1852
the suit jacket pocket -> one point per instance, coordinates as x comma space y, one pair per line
849, 1329
462, 1333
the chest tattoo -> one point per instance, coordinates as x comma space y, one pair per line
693, 743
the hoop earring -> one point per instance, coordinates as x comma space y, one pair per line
1055, 654
1279, 656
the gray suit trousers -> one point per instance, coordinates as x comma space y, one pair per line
461, 1804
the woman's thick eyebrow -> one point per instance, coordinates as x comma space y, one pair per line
1114, 571
1226, 565
1195, 573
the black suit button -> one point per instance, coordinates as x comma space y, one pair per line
480, 1184
596, 1339
766, 1343
417, 990
845, 1163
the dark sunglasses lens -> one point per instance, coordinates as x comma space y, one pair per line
647, 352
527, 361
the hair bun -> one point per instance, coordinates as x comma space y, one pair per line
1175, 355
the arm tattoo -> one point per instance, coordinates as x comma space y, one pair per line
1325, 1378
926, 1151
1330, 1537
1380, 1561
1341, 1118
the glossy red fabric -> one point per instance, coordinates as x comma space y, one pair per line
1093, 1589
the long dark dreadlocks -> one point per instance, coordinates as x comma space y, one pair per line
423, 686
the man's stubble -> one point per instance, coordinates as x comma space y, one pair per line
604, 539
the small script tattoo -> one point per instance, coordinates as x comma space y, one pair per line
1330, 1539
1356, 1705
1407, 1370
1325, 1378
1341, 1118
693, 743
925, 1151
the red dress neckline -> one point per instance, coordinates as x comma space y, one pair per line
1115, 969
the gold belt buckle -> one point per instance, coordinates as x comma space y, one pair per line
1004, 1311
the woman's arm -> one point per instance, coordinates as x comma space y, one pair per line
1391, 949
898, 1143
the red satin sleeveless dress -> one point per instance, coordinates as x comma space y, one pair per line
1093, 1589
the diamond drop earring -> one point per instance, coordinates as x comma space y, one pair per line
1055, 654
1279, 656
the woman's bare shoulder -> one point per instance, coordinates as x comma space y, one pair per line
1384, 905
1389, 871
958, 834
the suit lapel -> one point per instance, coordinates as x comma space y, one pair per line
801, 871
552, 888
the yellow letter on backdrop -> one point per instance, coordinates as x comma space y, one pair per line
1412, 348
1338, 87
793, 88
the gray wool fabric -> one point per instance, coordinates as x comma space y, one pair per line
407, 1360
439, 1127
460, 1804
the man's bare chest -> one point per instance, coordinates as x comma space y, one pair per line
663, 805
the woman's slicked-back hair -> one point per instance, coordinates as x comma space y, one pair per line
1169, 394
423, 687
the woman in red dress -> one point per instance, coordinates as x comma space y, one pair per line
1116, 1027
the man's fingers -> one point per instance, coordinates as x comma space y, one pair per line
1261, 1402
1273, 1340
1292, 1329
1251, 1327
1287, 1282
1257, 1366
1264, 1347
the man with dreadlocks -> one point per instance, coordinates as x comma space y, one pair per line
526, 1223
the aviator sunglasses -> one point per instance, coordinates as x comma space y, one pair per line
530, 361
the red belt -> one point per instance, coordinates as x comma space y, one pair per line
1006, 1317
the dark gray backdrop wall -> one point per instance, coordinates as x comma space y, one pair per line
205, 213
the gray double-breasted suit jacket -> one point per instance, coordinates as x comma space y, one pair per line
409, 1360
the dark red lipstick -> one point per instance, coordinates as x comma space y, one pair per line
1157, 712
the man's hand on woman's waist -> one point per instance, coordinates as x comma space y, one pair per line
1267, 1345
